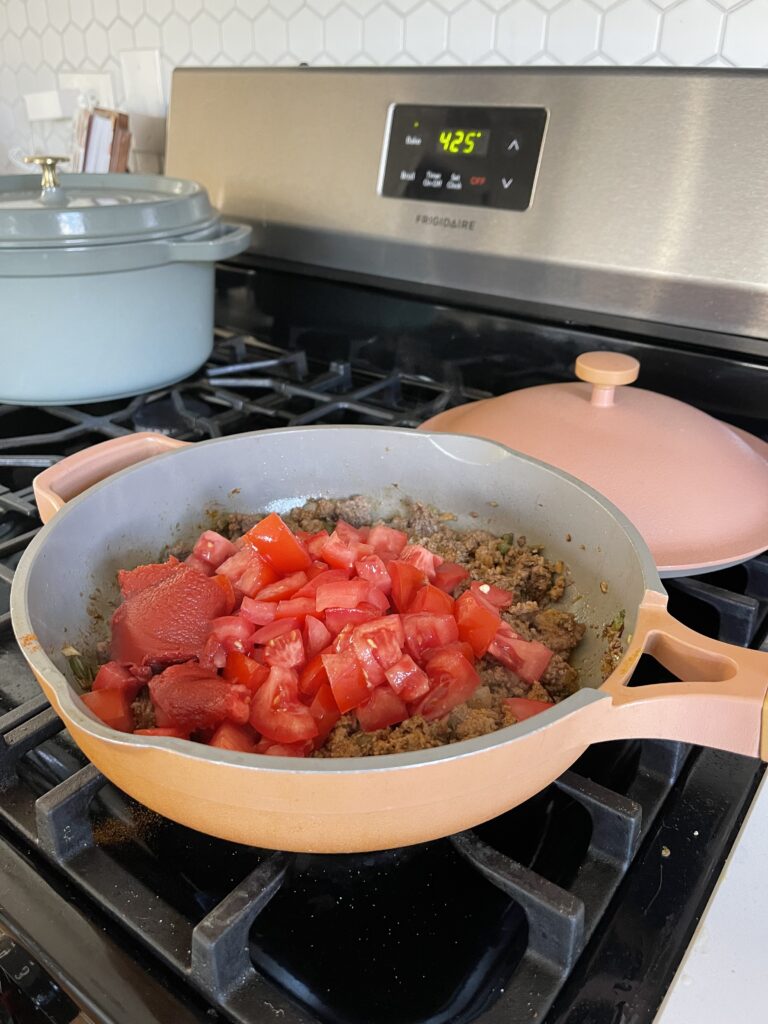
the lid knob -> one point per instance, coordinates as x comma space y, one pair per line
47, 164
606, 371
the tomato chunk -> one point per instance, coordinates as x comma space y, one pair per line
286, 650
232, 631
431, 599
239, 668
523, 707
382, 708
337, 618
179, 734
373, 569
324, 711
112, 706
343, 594
273, 629
386, 542
278, 544
193, 698
497, 596
284, 588
114, 676
406, 580
420, 557
449, 575
313, 676
277, 712
526, 658
453, 680
346, 678
212, 548
295, 608
260, 613
324, 576
407, 680
478, 622
229, 736
300, 749
247, 571
317, 636
424, 630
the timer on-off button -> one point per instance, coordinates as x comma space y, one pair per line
432, 179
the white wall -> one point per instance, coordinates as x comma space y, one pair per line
39, 39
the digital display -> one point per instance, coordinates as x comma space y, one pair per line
463, 141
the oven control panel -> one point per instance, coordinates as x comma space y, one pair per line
471, 156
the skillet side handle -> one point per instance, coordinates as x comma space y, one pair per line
58, 484
721, 700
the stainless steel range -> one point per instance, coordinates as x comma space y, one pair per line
395, 274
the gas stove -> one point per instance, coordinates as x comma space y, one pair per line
577, 906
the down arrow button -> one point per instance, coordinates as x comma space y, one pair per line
507, 182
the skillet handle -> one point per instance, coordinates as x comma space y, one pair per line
58, 484
721, 701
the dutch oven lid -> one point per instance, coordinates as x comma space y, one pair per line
96, 209
696, 489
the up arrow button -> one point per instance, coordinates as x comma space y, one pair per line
514, 145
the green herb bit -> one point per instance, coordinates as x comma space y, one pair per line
83, 669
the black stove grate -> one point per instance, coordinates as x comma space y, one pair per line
484, 926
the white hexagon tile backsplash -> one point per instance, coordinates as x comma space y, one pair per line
41, 39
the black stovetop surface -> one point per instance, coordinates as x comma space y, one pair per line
574, 908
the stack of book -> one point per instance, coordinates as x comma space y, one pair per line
102, 141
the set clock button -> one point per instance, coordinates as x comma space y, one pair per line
454, 182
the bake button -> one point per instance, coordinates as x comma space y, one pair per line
454, 182
413, 140
433, 179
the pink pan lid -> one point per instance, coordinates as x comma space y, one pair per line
696, 489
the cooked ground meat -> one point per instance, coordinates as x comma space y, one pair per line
505, 561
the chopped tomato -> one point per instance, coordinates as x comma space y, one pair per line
213, 655
317, 636
478, 622
225, 586
337, 618
179, 734
341, 553
523, 707
278, 544
458, 645
373, 569
343, 640
453, 680
114, 676
247, 571
313, 676
314, 543
386, 542
424, 560
346, 532
346, 678
526, 658
239, 668
324, 576
377, 645
286, 650
193, 698
260, 613
497, 596
324, 711
382, 708
229, 736
277, 712
273, 629
295, 608
284, 588
449, 575
233, 632
204, 567
315, 569
431, 599
287, 749
408, 680
406, 580
424, 630
212, 548
112, 706
342, 594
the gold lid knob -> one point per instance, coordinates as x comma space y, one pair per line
606, 371
48, 166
